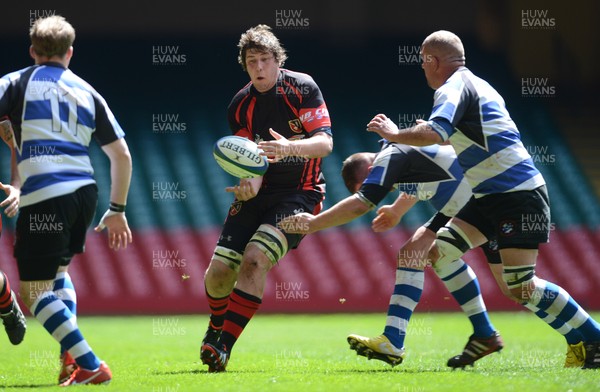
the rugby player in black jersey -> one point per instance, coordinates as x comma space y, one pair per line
284, 112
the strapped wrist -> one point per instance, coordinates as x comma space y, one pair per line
115, 207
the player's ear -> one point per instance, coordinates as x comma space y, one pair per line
32, 52
436, 62
69, 54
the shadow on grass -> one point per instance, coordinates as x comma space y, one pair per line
23, 386
178, 372
398, 370
205, 371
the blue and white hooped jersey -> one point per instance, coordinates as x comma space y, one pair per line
429, 173
54, 114
473, 116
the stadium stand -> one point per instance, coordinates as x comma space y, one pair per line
177, 200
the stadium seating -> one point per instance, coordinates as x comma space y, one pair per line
339, 270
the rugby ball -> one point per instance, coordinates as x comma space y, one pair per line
240, 157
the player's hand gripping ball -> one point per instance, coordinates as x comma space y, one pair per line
240, 157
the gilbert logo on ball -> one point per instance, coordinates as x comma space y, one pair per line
240, 157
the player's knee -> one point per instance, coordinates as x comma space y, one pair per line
269, 242
225, 259
255, 261
518, 294
506, 291
451, 243
409, 257
30, 291
433, 254
521, 282
25, 293
221, 274
217, 272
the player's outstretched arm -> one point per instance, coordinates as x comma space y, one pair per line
389, 216
119, 234
317, 146
343, 212
419, 135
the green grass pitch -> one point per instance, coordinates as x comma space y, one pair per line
301, 353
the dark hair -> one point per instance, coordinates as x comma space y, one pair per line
262, 39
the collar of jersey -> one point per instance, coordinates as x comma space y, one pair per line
53, 64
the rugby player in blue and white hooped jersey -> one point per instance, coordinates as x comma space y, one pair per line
508, 189
54, 114
380, 173
432, 174
371, 177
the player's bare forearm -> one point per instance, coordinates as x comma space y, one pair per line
403, 203
317, 146
120, 170
420, 134
119, 234
389, 216
343, 212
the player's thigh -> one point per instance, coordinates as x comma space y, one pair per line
86, 199
491, 251
521, 220
243, 219
516, 256
473, 223
43, 237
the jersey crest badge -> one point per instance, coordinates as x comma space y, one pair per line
295, 125
235, 208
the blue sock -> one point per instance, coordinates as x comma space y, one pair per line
56, 318
407, 293
462, 283
556, 302
65, 291
571, 335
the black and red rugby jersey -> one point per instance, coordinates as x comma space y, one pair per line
295, 109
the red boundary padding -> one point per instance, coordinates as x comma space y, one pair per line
333, 271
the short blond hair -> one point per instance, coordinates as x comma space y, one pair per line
262, 39
446, 44
52, 36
